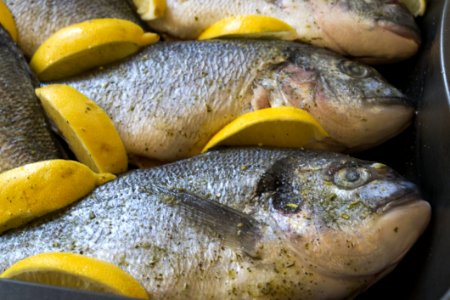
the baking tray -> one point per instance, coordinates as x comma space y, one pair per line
421, 153
424, 273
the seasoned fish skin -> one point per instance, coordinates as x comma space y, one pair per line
24, 134
37, 20
170, 99
376, 31
279, 234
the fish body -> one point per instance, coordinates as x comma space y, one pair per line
376, 31
24, 134
171, 98
37, 20
241, 224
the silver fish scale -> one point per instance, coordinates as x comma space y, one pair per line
37, 20
128, 223
183, 91
24, 134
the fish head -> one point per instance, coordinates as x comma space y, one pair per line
374, 31
351, 101
346, 217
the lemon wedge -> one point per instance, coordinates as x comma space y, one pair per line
7, 20
88, 130
86, 45
33, 190
249, 26
277, 127
150, 9
416, 7
76, 271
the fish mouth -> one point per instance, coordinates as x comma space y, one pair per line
399, 21
411, 33
406, 198
378, 244
375, 121
406, 219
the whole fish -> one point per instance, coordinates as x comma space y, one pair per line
170, 99
241, 224
37, 20
376, 31
24, 134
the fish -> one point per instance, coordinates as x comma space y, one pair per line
38, 20
248, 223
170, 99
25, 136
376, 31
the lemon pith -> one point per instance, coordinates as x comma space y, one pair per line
86, 45
279, 127
249, 26
76, 271
88, 130
150, 9
33, 190
7, 20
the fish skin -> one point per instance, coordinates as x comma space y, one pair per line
149, 223
37, 20
24, 133
356, 28
170, 99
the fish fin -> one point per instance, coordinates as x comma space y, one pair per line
276, 184
235, 228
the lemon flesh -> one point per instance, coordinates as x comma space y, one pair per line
150, 9
86, 127
7, 21
416, 7
276, 127
76, 271
249, 26
87, 45
33, 190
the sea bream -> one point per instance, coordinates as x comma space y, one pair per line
25, 136
37, 20
241, 224
376, 30
171, 98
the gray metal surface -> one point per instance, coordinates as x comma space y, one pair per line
425, 271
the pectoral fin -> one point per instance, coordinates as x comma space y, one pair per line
232, 226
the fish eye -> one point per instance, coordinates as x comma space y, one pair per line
353, 69
351, 177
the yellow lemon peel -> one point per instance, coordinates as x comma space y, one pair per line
86, 45
277, 127
416, 7
76, 271
249, 26
86, 127
7, 21
33, 190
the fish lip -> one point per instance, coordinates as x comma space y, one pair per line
404, 25
391, 100
408, 32
406, 198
